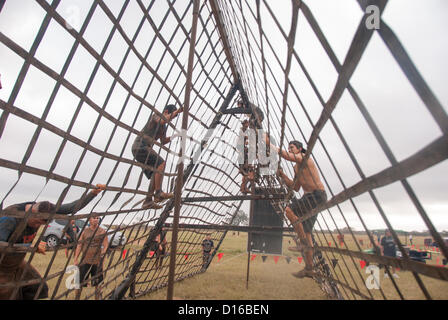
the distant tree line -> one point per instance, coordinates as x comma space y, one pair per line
399, 232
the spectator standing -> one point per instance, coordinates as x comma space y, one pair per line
207, 247
389, 249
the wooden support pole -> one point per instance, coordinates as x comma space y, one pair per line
224, 38
249, 236
180, 172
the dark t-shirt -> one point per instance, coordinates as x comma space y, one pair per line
207, 245
69, 208
389, 246
158, 240
7, 227
71, 232
9, 224
154, 244
153, 130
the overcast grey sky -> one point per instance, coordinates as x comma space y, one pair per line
395, 107
388, 95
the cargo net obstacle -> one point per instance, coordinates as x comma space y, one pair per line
79, 82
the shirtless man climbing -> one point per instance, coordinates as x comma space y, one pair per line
314, 195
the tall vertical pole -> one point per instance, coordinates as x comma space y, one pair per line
180, 172
224, 38
249, 234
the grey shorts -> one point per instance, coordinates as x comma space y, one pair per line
304, 205
148, 157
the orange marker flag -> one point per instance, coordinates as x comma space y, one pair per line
220, 256
329, 244
151, 253
276, 259
252, 258
186, 256
124, 253
362, 263
300, 259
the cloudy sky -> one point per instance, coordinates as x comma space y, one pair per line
392, 102
395, 107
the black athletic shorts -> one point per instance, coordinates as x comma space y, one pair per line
91, 270
304, 205
148, 157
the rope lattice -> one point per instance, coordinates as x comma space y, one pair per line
97, 71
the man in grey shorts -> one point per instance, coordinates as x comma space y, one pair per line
314, 195
142, 149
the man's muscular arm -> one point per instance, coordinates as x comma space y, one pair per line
290, 183
294, 157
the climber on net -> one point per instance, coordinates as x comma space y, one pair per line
142, 149
255, 123
314, 195
13, 266
256, 115
249, 127
249, 168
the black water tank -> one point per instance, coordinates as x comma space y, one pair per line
265, 215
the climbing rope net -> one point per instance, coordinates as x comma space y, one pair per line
82, 80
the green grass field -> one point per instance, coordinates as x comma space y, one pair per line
227, 278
